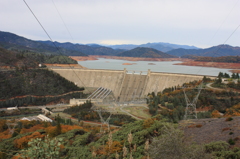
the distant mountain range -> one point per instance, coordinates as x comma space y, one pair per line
12, 41
215, 51
145, 52
164, 47
93, 49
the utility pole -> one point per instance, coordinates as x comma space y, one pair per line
103, 122
191, 105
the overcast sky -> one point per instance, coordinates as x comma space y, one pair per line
202, 23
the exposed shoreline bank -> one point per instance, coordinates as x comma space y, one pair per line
186, 62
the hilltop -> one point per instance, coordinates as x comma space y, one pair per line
160, 46
26, 59
215, 51
145, 52
11, 59
24, 83
86, 49
12, 41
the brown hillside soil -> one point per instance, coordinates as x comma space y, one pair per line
235, 71
65, 65
83, 58
212, 64
212, 129
127, 64
94, 57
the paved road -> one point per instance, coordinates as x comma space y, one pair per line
121, 108
209, 86
42, 106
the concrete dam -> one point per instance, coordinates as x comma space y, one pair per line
126, 85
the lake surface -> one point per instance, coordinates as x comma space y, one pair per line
154, 66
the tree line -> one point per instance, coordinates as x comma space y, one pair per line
229, 59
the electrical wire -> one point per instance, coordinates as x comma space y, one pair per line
223, 43
224, 21
52, 41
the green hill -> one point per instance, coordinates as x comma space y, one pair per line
86, 49
13, 59
26, 59
14, 42
21, 80
215, 51
145, 52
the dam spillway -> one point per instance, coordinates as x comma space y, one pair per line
126, 85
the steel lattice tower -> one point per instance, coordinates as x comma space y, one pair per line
11, 127
104, 122
191, 105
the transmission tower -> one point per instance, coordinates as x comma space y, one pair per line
191, 105
11, 127
100, 110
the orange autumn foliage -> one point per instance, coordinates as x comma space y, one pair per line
32, 129
64, 128
216, 114
23, 142
148, 122
5, 135
233, 111
2, 124
26, 123
115, 147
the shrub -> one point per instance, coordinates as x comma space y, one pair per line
199, 125
229, 119
225, 129
216, 146
231, 142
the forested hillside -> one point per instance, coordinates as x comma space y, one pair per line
171, 102
27, 59
229, 59
152, 137
86, 49
215, 51
145, 52
14, 42
19, 86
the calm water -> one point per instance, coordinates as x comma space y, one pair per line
157, 66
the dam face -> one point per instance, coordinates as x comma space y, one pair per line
126, 86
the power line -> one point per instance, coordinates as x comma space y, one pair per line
224, 21
64, 24
63, 21
231, 34
52, 41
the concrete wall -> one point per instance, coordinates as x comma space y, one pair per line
111, 79
159, 81
125, 86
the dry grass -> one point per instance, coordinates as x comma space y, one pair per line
138, 111
212, 129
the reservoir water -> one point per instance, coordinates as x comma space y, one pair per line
154, 66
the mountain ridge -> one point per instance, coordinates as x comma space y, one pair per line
215, 51
13, 41
160, 46
145, 52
